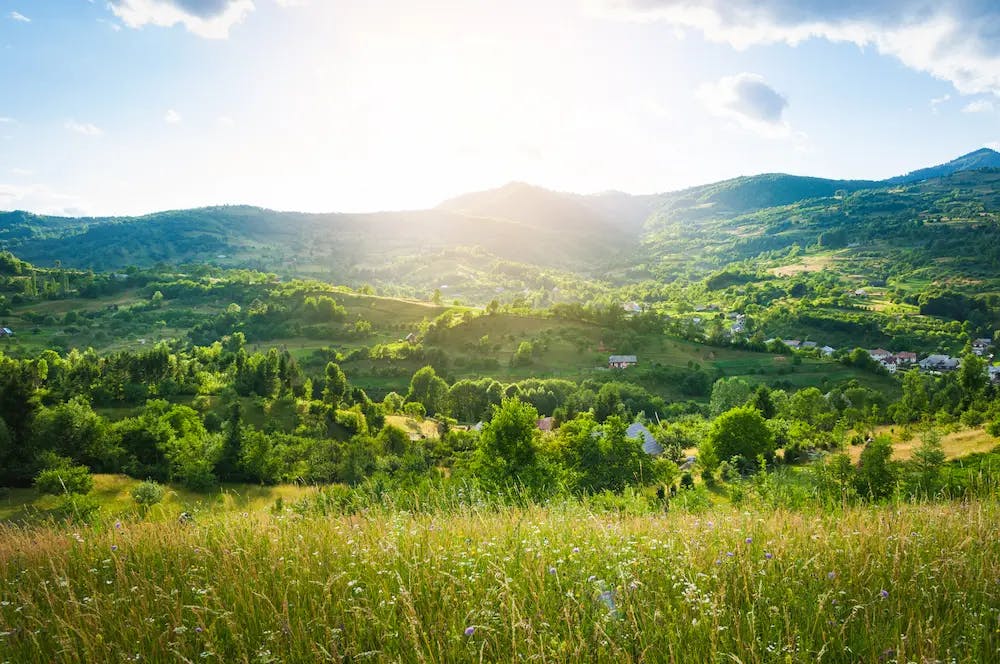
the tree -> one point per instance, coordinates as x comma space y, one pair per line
972, 378
728, 393
429, 390
915, 402
876, 477
926, 463
393, 440
336, 384
228, 467
523, 354
741, 431
762, 401
508, 443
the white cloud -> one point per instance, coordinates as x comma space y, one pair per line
18, 16
40, 199
993, 145
172, 117
23, 172
111, 24
957, 41
748, 100
211, 19
225, 121
979, 106
937, 101
85, 128
292, 3
6, 120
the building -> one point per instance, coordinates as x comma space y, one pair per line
939, 363
622, 361
880, 354
806, 345
906, 357
792, 343
6, 332
889, 363
828, 350
649, 445
632, 308
994, 373
546, 424
981, 346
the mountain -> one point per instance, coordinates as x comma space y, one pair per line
611, 212
982, 158
520, 237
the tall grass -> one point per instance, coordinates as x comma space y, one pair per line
559, 583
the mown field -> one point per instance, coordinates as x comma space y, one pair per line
901, 583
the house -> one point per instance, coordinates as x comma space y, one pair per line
792, 343
939, 363
546, 424
809, 344
981, 346
880, 354
828, 350
889, 363
632, 308
410, 338
906, 357
994, 373
649, 445
688, 463
6, 332
622, 361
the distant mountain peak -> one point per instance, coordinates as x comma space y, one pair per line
982, 158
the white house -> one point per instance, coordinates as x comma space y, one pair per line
622, 361
880, 354
632, 308
6, 332
828, 350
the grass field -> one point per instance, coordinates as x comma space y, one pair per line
907, 583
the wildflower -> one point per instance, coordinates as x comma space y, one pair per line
831, 575
749, 540
769, 555
199, 629
552, 570
118, 525
884, 594
729, 554
470, 630
114, 547
576, 549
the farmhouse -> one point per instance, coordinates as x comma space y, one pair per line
906, 357
649, 444
632, 308
792, 343
622, 361
981, 346
939, 363
880, 354
994, 373
828, 350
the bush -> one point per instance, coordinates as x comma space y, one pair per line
147, 493
65, 480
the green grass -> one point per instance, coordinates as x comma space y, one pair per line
559, 583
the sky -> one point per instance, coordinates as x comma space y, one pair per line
134, 106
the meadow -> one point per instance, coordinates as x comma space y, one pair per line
563, 582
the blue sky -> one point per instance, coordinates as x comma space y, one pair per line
133, 106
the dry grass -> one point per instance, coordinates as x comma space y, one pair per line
553, 584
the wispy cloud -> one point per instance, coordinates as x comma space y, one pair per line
23, 172
172, 117
937, 101
953, 41
211, 19
979, 106
40, 198
18, 16
6, 120
747, 99
85, 128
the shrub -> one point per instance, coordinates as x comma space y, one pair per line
147, 493
65, 480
